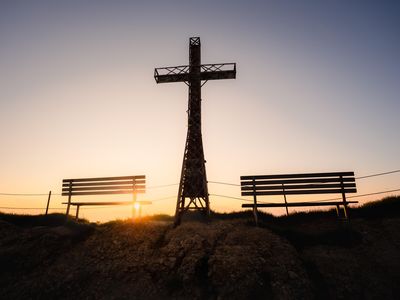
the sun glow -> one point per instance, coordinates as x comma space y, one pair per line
136, 206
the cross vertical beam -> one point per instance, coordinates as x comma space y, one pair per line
193, 190
193, 183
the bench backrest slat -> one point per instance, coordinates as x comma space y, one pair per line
289, 181
298, 184
300, 192
298, 187
305, 175
107, 178
102, 193
141, 181
104, 186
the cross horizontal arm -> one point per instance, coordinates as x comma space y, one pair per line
207, 72
170, 77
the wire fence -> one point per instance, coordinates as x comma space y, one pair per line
212, 182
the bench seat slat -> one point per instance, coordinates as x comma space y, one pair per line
294, 204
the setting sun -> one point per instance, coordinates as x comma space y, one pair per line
136, 206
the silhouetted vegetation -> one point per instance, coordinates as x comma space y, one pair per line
76, 230
387, 207
241, 215
158, 217
34, 220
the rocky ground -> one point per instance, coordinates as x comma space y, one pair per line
318, 258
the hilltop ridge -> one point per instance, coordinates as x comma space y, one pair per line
303, 256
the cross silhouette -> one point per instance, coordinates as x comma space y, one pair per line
193, 182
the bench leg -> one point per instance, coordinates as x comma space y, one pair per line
255, 215
67, 212
68, 206
284, 197
77, 212
345, 212
337, 211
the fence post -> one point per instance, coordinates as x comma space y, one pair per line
48, 203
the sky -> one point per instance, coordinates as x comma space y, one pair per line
317, 89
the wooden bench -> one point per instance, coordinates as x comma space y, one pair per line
298, 184
103, 186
